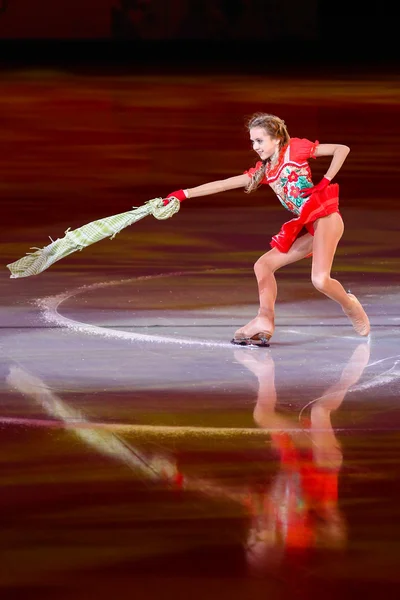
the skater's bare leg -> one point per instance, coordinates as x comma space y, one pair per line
264, 269
328, 232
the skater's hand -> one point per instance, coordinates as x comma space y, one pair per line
316, 188
179, 194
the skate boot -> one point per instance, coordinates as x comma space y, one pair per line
358, 317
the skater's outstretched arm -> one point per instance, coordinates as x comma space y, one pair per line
214, 187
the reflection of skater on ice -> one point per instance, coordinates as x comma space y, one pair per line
300, 509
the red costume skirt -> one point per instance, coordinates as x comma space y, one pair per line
318, 205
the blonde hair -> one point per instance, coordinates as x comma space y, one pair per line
276, 129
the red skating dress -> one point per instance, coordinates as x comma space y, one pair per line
288, 177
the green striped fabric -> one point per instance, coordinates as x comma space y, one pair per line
78, 239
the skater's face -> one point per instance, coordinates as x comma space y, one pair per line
263, 144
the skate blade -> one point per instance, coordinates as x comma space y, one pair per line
259, 339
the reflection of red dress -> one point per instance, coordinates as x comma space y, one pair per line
309, 489
288, 178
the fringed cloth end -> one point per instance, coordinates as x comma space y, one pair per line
78, 239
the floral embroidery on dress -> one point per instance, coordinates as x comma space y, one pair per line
293, 176
291, 173
288, 179
291, 206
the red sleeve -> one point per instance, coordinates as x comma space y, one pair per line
251, 171
302, 149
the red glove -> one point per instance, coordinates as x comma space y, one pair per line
317, 188
179, 194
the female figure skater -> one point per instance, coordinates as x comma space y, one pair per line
283, 165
